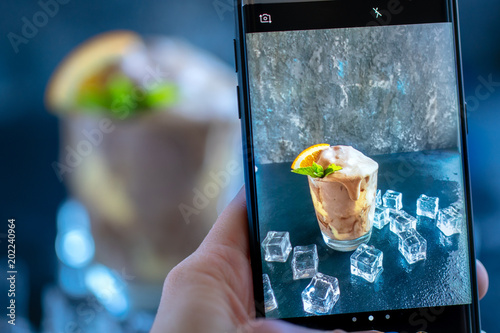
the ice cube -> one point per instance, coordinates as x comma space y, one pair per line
427, 206
449, 242
304, 262
412, 246
378, 198
381, 217
366, 262
449, 221
321, 294
393, 199
269, 300
277, 246
401, 221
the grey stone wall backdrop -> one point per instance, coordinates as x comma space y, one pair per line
382, 90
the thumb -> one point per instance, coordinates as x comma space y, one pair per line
277, 326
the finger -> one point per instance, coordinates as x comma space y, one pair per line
482, 279
231, 228
277, 326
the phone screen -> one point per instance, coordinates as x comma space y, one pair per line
360, 181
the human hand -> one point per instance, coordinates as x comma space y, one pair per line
211, 291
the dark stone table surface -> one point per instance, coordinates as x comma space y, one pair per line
442, 279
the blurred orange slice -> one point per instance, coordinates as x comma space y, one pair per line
84, 64
308, 156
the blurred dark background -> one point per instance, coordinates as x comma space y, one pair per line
31, 193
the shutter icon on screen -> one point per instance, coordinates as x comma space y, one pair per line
265, 18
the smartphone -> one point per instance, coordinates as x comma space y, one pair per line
355, 139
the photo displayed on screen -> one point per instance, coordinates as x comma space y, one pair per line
359, 174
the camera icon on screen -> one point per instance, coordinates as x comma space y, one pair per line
265, 18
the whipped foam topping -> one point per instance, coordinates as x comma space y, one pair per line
355, 167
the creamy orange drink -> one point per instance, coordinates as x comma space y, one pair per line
343, 185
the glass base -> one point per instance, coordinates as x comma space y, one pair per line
346, 245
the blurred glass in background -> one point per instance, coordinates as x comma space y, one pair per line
95, 243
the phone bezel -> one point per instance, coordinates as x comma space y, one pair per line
472, 310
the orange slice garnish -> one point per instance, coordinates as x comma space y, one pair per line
85, 65
308, 156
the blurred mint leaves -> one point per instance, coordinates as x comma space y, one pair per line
317, 171
121, 96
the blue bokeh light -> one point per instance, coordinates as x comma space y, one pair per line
109, 289
75, 248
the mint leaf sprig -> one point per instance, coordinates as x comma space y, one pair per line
317, 171
119, 94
